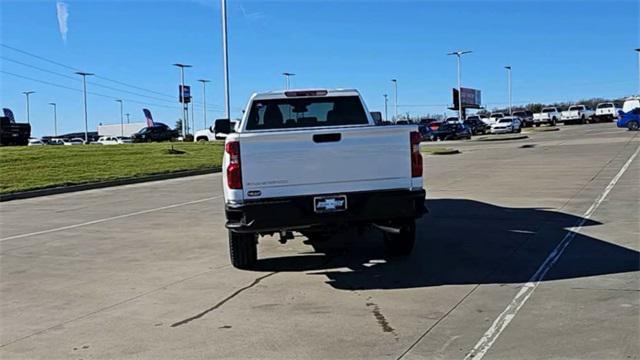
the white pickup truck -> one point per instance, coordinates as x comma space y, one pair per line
548, 115
577, 113
606, 112
315, 162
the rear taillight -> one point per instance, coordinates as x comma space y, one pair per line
416, 157
234, 171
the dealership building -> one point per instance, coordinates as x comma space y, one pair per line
120, 129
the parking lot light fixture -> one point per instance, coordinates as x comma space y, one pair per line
84, 93
55, 118
395, 98
204, 101
386, 100
121, 117
458, 55
638, 51
286, 79
27, 93
509, 87
225, 59
185, 112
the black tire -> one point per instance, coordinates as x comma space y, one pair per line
553, 122
583, 120
538, 125
401, 244
243, 249
633, 126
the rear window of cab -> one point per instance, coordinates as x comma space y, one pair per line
288, 113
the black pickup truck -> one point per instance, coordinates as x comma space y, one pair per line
12, 133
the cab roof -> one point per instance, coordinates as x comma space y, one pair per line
292, 93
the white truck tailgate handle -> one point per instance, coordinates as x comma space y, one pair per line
322, 138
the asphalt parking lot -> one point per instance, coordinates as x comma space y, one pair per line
530, 251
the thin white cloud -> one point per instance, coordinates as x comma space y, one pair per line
63, 15
251, 16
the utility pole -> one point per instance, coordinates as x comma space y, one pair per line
286, 79
27, 93
121, 117
395, 95
386, 100
225, 55
185, 111
509, 87
84, 92
127, 117
458, 54
204, 102
55, 118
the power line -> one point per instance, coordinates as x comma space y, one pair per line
97, 76
93, 93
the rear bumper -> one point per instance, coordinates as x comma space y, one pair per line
295, 213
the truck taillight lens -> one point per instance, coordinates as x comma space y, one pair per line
234, 171
416, 157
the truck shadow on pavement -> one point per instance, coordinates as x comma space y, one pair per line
463, 242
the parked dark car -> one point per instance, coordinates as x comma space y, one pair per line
158, 132
435, 125
526, 116
11, 132
425, 131
451, 132
477, 126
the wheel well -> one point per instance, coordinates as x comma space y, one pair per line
202, 138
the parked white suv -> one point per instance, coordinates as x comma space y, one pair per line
577, 113
606, 112
314, 161
548, 115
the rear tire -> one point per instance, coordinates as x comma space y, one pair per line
243, 249
633, 126
553, 122
401, 244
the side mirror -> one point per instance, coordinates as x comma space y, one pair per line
221, 128
377, 117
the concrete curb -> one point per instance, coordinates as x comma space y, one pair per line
103, 184
542, 130
445, 152
521, 137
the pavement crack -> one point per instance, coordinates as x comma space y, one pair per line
381, 319
223, 301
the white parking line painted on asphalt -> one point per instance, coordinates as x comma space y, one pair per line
503, 320
98, 221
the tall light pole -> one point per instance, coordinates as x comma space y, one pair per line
638, 51
193, 119
386, 100
27, 93
225, 55
395, 97
121, 117
185, 111
286, 79
84, 93
127, 117
509, 87
204, 102
458, 54
55, 118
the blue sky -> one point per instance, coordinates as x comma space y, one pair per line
559, 50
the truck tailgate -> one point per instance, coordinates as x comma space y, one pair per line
325, 161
